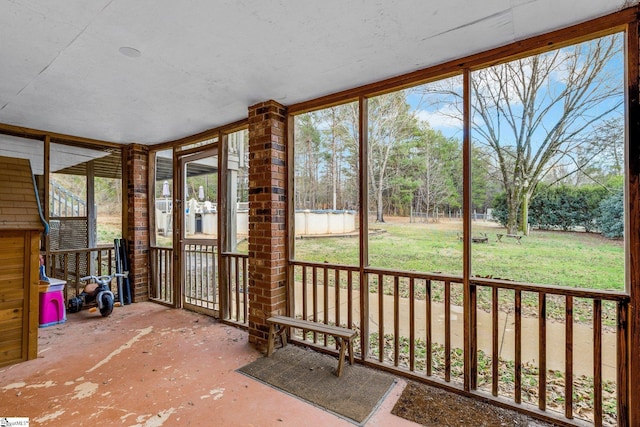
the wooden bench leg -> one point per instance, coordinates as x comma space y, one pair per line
271, 339
283, 336
350, 348
342, 346
275, 331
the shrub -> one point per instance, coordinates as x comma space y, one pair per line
611, 219
500, 209
559, 207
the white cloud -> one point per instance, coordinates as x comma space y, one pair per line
447, 119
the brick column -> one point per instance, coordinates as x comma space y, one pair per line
137, 166
267, 212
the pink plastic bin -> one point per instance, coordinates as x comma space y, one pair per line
52, 309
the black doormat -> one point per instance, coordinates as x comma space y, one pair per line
432, 406
309, 375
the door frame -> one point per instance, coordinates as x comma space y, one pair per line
179, 238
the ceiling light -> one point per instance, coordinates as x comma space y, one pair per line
130, 52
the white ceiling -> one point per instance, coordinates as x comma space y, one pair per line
203, 62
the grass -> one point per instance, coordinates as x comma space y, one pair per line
583, 260
108, 229
571, 259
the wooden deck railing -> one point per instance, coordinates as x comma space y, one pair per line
200, 265
72, 264
201, 280
565, 302
236, 266
502, 341
508, 342
161, 283
328, 294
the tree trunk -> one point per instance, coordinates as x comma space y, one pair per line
379, 204
524, 222
512, 214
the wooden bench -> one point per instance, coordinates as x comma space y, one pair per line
482, 238
278, 325
513, 236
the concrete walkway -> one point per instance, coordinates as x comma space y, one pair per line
555, 351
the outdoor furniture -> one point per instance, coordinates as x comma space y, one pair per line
278, 326
482, 238
514, 236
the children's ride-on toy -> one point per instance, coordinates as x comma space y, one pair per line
100, 292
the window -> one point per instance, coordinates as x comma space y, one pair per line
548, 137
415, 178
163, 198
327, 185
85, 196
237, 179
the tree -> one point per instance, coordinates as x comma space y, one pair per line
612, 215
334, 135
390, 124
307, 147
440, 170
403, 176
409, 164
535, 114
596, 161
326, 159
484, 186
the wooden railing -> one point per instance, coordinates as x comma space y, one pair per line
572, 306
530, 347
72, 264
200, 265
317, 298
201, 280
500, 340
161, 283
236, 266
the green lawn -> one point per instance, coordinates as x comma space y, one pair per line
545, 257
572, 259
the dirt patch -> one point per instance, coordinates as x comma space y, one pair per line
431, 406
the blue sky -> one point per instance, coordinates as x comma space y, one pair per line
439, 110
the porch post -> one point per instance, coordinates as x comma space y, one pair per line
267, 217
629, 372
137, 219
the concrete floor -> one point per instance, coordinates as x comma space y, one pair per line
148, 365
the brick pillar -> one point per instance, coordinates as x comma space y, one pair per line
267, 212
137, 160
